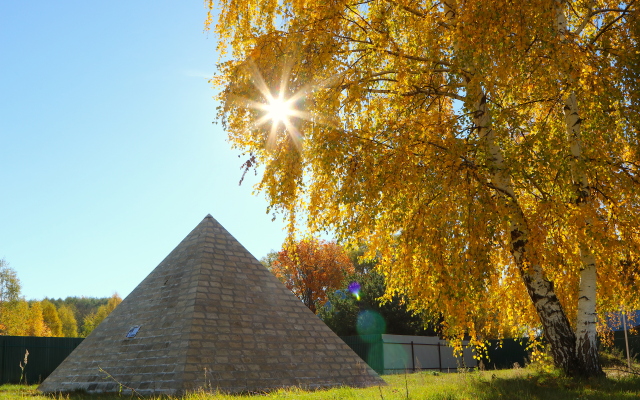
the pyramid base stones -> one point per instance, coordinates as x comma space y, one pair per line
149, 382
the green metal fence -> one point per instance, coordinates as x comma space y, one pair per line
45, 354
369, 348
513, 351
503, 354
634, 344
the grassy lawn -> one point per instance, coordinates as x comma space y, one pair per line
505, 384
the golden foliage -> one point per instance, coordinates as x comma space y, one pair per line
68, 321
35, 321
91, 321
390, 156
51, 318
15, 317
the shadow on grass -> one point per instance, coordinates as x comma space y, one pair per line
519, 384
542, 386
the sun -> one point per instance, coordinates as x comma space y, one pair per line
279, 110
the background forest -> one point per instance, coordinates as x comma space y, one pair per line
71, 317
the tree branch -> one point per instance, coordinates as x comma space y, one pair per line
586, 19
416, 58
408, 9
610, 24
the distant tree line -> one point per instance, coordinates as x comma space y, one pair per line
71, 317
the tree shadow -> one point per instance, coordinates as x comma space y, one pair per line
544, 386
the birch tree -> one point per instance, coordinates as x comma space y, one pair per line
488, 152
68, 320
91, 321
35, 321
51, 318
9, 284
15, 318
9, 299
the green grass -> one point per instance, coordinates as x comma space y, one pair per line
526, 384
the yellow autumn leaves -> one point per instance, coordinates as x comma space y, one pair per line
391, 157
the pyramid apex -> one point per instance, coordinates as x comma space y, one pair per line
208, 216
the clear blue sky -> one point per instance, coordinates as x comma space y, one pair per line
108, 154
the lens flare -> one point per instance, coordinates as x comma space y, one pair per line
370, 322
354, 289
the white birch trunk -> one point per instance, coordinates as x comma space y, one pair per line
557, 329
586, 335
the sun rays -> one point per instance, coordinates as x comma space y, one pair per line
279, 109
282, 108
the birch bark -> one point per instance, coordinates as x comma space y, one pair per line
586, 344
556, 327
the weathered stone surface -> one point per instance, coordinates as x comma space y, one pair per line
210, 317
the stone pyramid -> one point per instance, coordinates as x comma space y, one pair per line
210, 317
